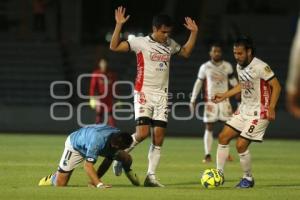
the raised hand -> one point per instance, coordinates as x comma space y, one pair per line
120, 15
190, 24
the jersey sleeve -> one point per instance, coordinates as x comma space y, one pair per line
266, 73
93, 150
201, 73
175, 47
134, 44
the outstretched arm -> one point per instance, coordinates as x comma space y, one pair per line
187, 48
115, 43
222, 96
104, 166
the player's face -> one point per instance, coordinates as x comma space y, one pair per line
215, 54
162, 34
242, 55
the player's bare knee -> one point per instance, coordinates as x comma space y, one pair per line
223, 138
241, 147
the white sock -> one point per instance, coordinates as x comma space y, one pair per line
153, 157
245, 160
208, 140
133, 145
222, 154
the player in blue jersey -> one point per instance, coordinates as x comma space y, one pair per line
87, 144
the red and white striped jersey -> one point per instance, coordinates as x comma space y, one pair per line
256, 92
153, 63
216, 78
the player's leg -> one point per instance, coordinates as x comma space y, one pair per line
245, 161
225, 136
155, 153
142, 132
70, 159
231, 130
208, 141
99, 112
111, 120
225, 113
253, 131
210, 116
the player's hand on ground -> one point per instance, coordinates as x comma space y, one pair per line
218, 97
190, 24
120, 15
271, 114
101, 186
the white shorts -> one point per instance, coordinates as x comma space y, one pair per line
152, 106
251, 129
217, 111
70, 158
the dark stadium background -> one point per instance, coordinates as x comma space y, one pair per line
76, 34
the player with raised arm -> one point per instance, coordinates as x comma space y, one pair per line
153, 55
87, 144
215, 75
260, 91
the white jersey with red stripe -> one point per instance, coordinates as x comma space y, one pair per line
216, 78
256, 91
153, 62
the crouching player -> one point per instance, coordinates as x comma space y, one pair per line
87, 144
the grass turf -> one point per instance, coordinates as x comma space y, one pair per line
24, 159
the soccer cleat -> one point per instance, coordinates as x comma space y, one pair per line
207, 158
151, 182
46, 181
133, 178
221, 173
245, 183
117, 168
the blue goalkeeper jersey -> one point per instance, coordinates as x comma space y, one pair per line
93, 141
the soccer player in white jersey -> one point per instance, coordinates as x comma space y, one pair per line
260, 91
215, 75
293, 80
153, 54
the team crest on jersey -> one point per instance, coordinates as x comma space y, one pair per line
159, 57
247, 84
268, 69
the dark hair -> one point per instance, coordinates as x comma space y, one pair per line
245, 41
122, 139
215, 44
162, 19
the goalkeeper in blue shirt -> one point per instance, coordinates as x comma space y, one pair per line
86, 144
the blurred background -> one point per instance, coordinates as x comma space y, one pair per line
45, 45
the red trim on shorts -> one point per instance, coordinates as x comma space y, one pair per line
140, 72
265, 96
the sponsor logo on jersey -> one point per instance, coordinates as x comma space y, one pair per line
268, 69
247, 84
158, 57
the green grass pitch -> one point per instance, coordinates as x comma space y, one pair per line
24, 159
